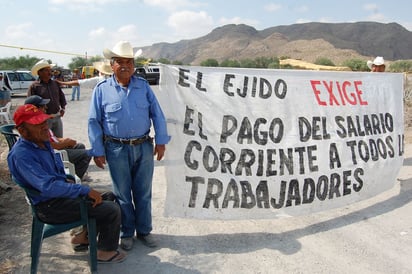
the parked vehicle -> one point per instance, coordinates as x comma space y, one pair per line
88, 72
18, 81
150, 72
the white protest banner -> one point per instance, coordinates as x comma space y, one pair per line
251, 143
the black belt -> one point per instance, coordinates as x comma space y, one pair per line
132, 142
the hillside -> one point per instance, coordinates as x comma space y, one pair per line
309, 41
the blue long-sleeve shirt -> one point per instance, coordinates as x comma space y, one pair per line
124, 113
41, 169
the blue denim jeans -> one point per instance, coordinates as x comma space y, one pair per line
131, 169
75, 89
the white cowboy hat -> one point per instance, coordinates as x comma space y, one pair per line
40, 65
104, 67
377, 62
122, 49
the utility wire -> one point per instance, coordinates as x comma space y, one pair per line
44, 50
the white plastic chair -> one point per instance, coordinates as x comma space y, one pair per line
5, 115
68, 166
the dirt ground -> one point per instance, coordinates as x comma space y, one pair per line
374, 236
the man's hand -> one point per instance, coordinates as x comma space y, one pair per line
95, 196
62, 111
100, 161
67, 142
160, 151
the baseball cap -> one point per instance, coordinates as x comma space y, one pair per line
36, 100
29, 114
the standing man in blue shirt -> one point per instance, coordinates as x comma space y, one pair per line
122, 110
32, 162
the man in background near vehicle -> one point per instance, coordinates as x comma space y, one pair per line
122, 111
76, 89
57, 75
105, 70
46, 88
377, 65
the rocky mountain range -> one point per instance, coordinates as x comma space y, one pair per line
309, 41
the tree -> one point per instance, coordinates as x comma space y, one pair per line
23, 62
177, 63
401, 66
263, 62
356, 65
274, 65
78, 62
164, 61
247, 63
230, 63
323, 61
284, 57
210, 63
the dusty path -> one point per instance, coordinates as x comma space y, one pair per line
373, 236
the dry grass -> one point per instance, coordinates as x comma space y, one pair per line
7, 266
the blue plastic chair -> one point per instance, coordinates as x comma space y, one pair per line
42, 230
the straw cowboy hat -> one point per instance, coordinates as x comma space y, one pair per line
40, 65
122, 49
104, 67
377, 62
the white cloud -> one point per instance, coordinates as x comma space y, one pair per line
23, 30
129, 29
375, 14
84, 2
173, 5
371, 7
272, 7
407, 25
302, 9
302, 20
96, 33
325, 20
190, 24
127, 32
83, 6
101, 37
238, 20
378, 17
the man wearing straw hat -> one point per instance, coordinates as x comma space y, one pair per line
377, 65
47, 88
122, 110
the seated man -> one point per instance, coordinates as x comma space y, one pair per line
32, 161
76, 152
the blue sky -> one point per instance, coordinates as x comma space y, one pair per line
89, 26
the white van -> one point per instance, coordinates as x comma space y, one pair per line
18, 81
